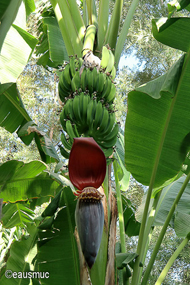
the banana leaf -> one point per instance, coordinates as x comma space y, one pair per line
181, 217
17, 214
12, 111
19, 181
157, 133
177, 5
57, 248
17, 45
20, 258
174, 32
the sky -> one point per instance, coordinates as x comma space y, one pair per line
130, 61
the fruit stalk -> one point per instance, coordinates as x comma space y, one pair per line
89, 39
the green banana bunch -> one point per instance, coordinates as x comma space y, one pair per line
68, 80
108, 61
83, 116
88, 94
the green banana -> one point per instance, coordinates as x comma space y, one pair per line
83, 80
106, 89
64, 86
95, 76
106, 131
113, 73
110, 97
100, 83
78, 63
98, 115
69, 130
89, 80
67, 76
62, 93
75, 130
111, 138
65, 142
76, 83
108, 152
64, 153
105, 57
91, 113
111, 62
86, 100
76, 110
105, 120
67, 113
72, 66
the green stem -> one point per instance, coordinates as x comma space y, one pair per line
162, 233
171, 261
89, 39
120, 209
121, 220
124, 31
149, 230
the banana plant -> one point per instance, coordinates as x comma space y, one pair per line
74, 241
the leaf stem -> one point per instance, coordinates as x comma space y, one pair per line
121, 220
120, 209
89, 8
171, 260
162, 233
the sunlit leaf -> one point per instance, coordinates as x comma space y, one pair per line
157, 134
19, 181
17, 48
21, 254
16, 215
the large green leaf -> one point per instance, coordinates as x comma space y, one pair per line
20, 260
8, 12
19, 181
3, 7
157, 130
181, 216
177, 5
51, 47
29, 6
57, 248
17, 46
167, 198
17, 214
12, 111
174, 32
57, 48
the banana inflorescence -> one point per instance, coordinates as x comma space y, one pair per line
88, 98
